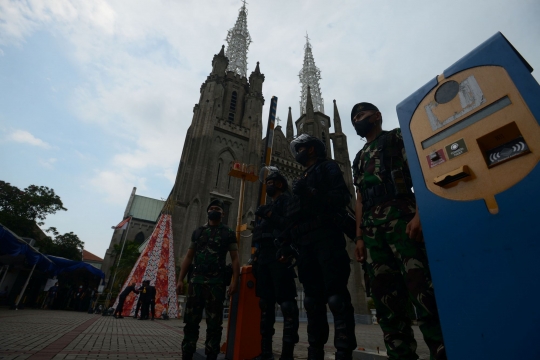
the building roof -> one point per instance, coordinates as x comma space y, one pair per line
88, 256
145, 208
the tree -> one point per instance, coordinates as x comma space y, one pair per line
22, 210
68, 245
129, 258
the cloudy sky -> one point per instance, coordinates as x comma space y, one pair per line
96, 96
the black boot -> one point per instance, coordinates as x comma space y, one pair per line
315, 354
211, 356
343, 355
287, 351
187, 356
266, 350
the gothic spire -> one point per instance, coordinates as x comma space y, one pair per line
337, 120
290, 131
310, 75
238, 41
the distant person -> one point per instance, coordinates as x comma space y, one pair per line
122, 298
78, 295
139, 302
52, 294
148, 301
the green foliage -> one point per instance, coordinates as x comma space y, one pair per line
371, 304
126, 263
21, 210
68, 245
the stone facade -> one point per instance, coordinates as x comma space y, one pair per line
226, 126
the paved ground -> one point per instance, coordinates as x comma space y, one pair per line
44, 334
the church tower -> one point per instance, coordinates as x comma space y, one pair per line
226, 126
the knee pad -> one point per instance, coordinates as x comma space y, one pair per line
310, 303
336, 303
289, 308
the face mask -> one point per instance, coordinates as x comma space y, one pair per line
302, 157
270, 190
214, 215
363, 127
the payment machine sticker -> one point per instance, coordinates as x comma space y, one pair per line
436, 158
456, 148
511, 149
454, 104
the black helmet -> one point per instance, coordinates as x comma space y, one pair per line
272, 173
305, 140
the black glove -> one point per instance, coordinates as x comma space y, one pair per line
262, 210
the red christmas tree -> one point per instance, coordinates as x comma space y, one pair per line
156, 264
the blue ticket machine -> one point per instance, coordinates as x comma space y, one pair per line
472, 136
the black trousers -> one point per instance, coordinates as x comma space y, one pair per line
120, 306
148, 306
323, 270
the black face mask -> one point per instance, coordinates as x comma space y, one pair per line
363, 127
271, 190
214, 215
302, 157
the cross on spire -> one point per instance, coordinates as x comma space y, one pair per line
278, 120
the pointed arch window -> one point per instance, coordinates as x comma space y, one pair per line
232, 106
324, 138
139, 238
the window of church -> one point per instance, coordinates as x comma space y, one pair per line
232, 107
324, 138
139, 238
217, 176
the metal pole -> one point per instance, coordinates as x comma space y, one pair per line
24, 287
117, 263
6, 267
240, 209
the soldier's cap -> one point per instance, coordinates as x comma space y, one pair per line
363, 106
216, 202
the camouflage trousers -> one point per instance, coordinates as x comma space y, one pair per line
399, 274
201, 297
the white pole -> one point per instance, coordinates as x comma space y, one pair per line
24, 287
117, 263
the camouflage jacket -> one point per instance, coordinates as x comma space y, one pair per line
211, 245
366, 173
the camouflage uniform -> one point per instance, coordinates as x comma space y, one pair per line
397, 266
207, 286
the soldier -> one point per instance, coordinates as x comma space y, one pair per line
323, 264
275, 280
389, 238
208, 250
148, 299
122, 298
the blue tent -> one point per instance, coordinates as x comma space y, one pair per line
14, 250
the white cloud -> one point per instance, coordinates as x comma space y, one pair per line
116, 185
48, 163
25, 137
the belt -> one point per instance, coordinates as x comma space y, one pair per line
207, 268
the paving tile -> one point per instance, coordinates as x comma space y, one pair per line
49, 334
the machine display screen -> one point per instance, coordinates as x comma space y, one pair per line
468, 121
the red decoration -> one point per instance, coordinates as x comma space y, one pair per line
156, 264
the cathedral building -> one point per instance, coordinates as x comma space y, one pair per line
227, 125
